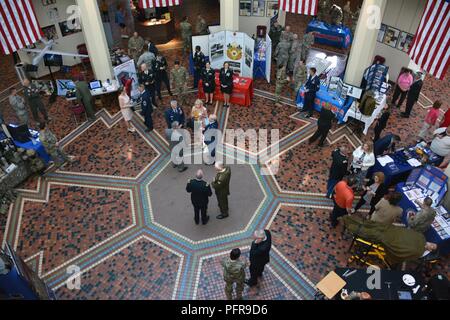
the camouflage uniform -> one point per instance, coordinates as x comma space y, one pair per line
201, 27
186, 33
282, 52
233, 272
19, 107
336, 15
281, 81
322, 10
294, 54
300, 76
308, 41
135, 47
49, 142
179, 80
35, 162
34, 100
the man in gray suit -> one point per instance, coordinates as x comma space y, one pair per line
178, 141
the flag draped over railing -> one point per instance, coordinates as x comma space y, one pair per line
18, 25
144, 4
307, 7
430, 48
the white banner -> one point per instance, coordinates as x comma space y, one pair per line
217, 49
235, 50
249, 50
268, 57
127, 71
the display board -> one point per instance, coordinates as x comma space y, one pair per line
127, 71
430, 179
375, 76
236, 48
268, 57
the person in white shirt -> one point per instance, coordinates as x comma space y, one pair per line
363, 160
441, 142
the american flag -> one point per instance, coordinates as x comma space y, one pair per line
144, 4
18, 25
430, 48
307, 7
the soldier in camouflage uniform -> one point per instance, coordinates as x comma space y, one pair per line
178, 80
300, 76
201, 27
308, 41
282, 52
135, 46
51, 145
280, 83
336, 15
275, 34
234, 272
186, 33
18, 105
322, 10
294, 53
33, 98
36, 164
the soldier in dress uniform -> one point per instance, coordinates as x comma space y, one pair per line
84, 96
147, 108
234, 273
209, 83
199, 64
280, 83
33, 98
174, 113
200, 192
201, 27
51, 145
135, 46
282, 52
294, 53
148, 79
186, 33
160, 69
18, 105
179, 78
308, 41
221, 185
275, 34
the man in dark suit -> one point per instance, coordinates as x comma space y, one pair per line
381, 123
147, 77
387, 143
312, 85
413, 95
338, 170
199, 64
147, 108
259, 255
323, 125
200, 192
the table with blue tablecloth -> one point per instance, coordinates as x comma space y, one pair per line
36, 145
331, 35
432, 234
400, 169
338, 105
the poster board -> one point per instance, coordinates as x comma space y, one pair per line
234, 50
268, 57
217, 49
126, 71
249, 48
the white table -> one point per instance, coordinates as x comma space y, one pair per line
354, 112
106, 89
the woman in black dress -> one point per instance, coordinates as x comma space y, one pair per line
226, 83
373, 192
209, 83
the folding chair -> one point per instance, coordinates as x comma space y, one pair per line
77, 111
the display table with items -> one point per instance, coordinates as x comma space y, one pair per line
159, 30
398, 165
339, 104
242, 94
331, 35
428, 182
395, 285
355, 113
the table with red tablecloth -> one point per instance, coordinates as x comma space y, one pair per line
242, 94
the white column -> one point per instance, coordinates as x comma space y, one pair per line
94, 35
229, 15
365, 39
